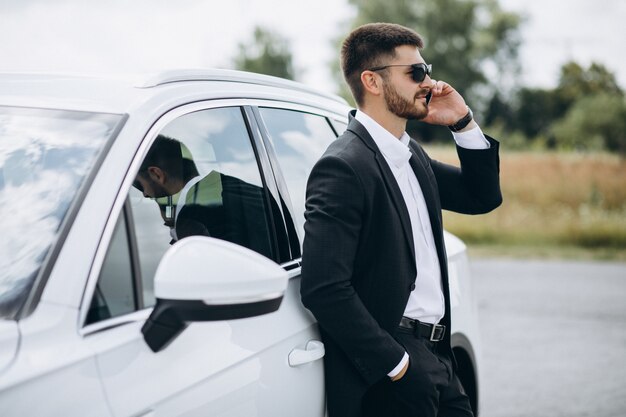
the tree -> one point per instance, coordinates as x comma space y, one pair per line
567, 106
576, 82
463, 38
592, 123
536, 109
498, 112
596, 111
268, 54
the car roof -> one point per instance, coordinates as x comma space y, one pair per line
120, 93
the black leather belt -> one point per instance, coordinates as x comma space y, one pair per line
432, 332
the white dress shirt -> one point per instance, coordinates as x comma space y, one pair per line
210, 186
426, 302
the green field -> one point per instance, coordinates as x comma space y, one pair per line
570, 205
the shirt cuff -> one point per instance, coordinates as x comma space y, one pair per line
472, 139
398, 368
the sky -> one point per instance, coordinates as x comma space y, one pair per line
120, 36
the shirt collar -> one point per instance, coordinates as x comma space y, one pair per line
394, 150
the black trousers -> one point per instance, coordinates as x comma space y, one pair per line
429, 388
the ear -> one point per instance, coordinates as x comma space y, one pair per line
157, 174
372, 82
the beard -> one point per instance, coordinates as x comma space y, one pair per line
153, 189
401, 107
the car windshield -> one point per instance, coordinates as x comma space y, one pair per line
45, 156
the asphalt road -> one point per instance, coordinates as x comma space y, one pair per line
554, 338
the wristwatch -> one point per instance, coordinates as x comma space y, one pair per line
463, 121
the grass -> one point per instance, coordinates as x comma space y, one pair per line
478, 250
555, 204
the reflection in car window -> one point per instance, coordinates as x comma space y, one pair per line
200, 177
45, 156
299, 139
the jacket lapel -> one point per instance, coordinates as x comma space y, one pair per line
390, 181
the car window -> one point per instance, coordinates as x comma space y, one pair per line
115, 293
152, 238
298, 139
199, 177
340, 126
46, 159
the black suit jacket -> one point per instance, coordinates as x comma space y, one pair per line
358, 264
241, 218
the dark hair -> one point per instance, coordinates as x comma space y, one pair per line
367, 46
166, 154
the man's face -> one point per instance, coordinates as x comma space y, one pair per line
404, 97
150, 187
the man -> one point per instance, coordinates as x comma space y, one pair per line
191, 204
374, 267
163, 174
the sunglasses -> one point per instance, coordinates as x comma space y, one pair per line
418, 71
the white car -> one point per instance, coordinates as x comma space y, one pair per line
107, 306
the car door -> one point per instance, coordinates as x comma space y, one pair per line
266, 365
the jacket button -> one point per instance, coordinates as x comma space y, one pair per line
412, 287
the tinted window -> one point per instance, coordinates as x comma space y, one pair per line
200, 177
153, 240
299, 139
114, 294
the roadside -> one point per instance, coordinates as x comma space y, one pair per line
553, 337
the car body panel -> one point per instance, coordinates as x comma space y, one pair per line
53, 364
9, 343
212, 366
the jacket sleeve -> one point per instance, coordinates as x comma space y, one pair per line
474, 188
334, 210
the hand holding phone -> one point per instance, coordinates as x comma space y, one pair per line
445, 105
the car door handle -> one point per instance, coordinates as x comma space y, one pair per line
314, 350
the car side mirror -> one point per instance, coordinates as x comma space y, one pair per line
206, 279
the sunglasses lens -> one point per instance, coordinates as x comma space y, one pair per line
419, 72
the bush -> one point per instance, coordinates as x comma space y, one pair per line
593, 123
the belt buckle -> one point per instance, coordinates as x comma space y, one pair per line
432, 333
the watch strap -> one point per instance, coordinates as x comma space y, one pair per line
463, 121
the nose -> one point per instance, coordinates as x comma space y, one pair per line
427, 82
